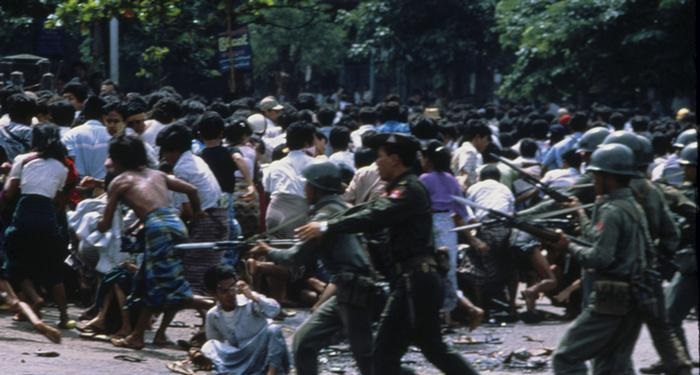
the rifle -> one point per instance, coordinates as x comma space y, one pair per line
557, 196
232, 244
545, 234
536, 217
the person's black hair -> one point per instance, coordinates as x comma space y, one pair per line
287, 116
639, 124
306, 100
617, 120
192, 107
304, 115
92, 108
366, 136
367, 115
210, 125
325, 116
348, 122
439, 156
216, 274
279, 152
5, 94
246, 103
115, 106
604, 112
661, 143
572, 158
128, 151
528, 148
689, 118
489, 172
540, 129
578, 122
299, 135
236, 130
424, 127
77, 89
364, 156
134, 106
339, 138
346, 174
21, 108
175, 137
489, 112
46, 141
391, 111
42, 102
221, 108
62, 112
476, 128
166, 110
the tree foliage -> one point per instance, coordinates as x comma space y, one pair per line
609, 47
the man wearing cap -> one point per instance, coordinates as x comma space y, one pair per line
344, 304
271, 108
412, 313
609, 325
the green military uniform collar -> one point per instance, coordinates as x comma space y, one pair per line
390, 186
620, 194
324, 200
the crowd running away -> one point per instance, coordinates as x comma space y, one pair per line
389, 220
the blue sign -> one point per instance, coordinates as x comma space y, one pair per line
234, 47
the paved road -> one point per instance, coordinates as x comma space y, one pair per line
18, 345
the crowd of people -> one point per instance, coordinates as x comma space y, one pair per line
415, 215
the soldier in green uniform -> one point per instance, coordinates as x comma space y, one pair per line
682, 293
665, 237
349, 309
412, 312
609, 325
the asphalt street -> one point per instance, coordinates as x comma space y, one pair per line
511, 349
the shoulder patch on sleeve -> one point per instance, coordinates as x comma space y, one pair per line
396, 193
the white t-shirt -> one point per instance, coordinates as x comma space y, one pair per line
490, 194
43, 177
193, 169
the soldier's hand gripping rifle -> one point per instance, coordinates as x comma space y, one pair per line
545, 234
556, 195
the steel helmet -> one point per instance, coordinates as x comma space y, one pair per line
647, 152
614, 158
628, 139
325, 176
592, 138
689, 155
258, 123
685, 138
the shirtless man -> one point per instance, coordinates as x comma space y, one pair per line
159, 284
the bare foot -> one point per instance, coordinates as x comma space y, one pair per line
51, 333
476, 315
95, 325
123, 332
128, 342
530, 297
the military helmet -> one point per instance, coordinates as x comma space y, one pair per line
685, 138
325, 176
647, 152
614, 158
592, 138
689, 155
628, 139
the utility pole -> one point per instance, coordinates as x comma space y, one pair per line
229, 32
114, 49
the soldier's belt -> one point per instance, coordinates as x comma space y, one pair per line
425, 264
348, 277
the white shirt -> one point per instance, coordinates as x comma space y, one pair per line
153, 127
271, 130
43, 177
270, 144
561, 178
193, 169
284, 176
249, 156
466, 160
88, 145
343, 157
356, 135
490, 194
